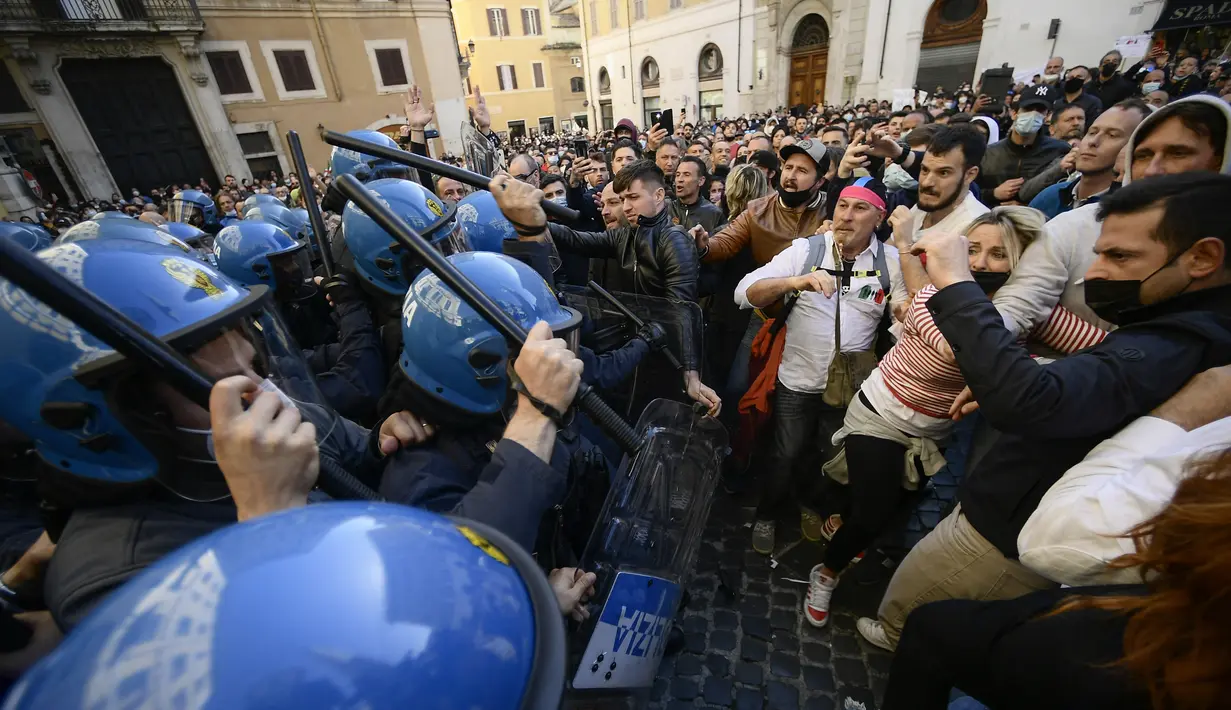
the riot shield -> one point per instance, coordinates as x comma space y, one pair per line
481, 157
643, 550
655, 377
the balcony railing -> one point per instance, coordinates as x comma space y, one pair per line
89, 15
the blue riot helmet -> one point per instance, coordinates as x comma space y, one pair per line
252, 252
344, 161
380, 261
193, 207
485, 226
30, 236
355, 605
279, 215
133, 229
455, 357
110, 214
259, 199
98, 419
185, 232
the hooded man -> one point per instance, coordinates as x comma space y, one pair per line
1185, 136
626, 129
1026, 152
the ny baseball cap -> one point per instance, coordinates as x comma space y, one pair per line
1041, 96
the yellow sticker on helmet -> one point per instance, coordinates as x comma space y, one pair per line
191, 277
435, 208
481, 542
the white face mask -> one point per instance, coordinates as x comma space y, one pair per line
553, 159
561, 200
1051, 78
1028, 123
1150, 86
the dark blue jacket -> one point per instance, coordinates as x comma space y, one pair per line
478, 475
611, 368
351, 372
1050, 417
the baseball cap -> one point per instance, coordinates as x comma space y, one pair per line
813, 149
1041, 96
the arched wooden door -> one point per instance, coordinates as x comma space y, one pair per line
809, 61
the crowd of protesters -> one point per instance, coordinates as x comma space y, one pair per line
1032, 290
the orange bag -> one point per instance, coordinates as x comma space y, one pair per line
756, 404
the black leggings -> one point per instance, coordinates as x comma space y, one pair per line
875, 467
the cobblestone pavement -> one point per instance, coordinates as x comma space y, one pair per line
748, 644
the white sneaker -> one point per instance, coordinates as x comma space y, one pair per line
820, 590
874, 633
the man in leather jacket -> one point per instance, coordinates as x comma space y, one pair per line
656, 257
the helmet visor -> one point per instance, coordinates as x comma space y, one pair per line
292, 272
186, 212
251, 340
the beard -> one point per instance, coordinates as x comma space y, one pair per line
934, 202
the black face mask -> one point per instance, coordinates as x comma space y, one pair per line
990, 281
1107, 70
1118, 302
1072, 86
796, 198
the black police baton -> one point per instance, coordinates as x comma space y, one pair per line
401, 157
308, 191
126, 337
636, 320
587, 400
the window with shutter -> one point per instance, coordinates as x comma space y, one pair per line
593, 17
498, 22
530, 22
577, 84
638, 9
507, 76
614, 9
229, 72
293, 66
539, 81
392, 68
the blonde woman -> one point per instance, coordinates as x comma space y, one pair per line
745, 183
908, 396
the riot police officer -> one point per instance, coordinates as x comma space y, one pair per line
128, 463
486, 229
454, 369
350, 371
196, 208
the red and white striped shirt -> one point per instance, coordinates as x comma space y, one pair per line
919, 376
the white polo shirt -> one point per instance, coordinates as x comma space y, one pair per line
809, 343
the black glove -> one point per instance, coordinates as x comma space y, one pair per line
653, 334
340, 289
333, 201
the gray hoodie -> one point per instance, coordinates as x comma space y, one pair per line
1051, 270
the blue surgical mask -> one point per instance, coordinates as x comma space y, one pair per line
1028, 123
1150, 86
